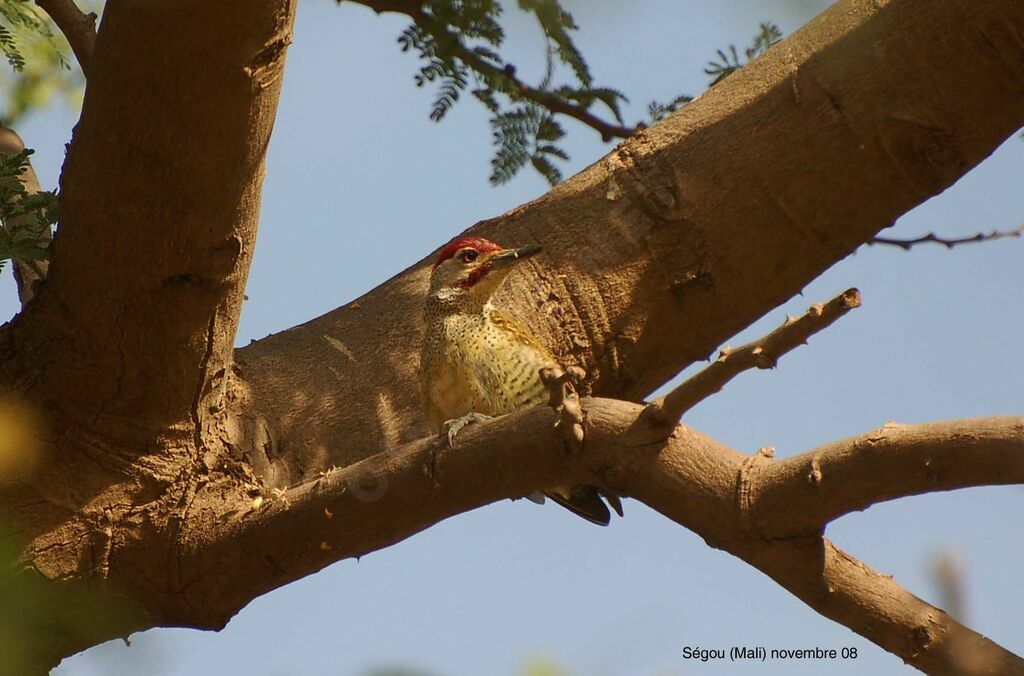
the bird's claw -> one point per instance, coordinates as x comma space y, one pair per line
451, 428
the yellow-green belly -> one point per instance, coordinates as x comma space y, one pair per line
476, 366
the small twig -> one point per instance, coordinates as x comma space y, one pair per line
762, 354
947, 571
78, 27
549, 100
949, 243
562, 397
552, 102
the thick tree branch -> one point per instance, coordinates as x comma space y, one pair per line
948, 242
881, 610
77, 26
686, 260
701, 484
221, 464
763, 353
159, 215
803, 493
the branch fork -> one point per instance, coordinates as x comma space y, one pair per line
77, 26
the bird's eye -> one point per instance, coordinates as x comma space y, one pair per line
468, 256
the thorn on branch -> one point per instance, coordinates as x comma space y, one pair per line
949, 243
763, 354
563, 399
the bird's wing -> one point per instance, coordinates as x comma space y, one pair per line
510, 324
584, 501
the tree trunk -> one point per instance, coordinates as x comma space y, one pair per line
164, 483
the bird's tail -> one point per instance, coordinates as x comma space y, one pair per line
587, 502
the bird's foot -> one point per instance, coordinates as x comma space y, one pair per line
450, 428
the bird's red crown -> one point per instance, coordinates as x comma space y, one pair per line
478, 244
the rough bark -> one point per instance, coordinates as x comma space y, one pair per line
123, 351
688, 231
165, 455
730, 499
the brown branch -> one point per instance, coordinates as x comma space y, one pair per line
947, 572
195, 250
801, 494
77, 26
27, 272
690, 478
949, 243
762, 353
549, 100
684, 262
881, 610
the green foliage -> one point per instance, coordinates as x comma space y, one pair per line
459, 39
526, 133
37, 54
728, 63
17, 20
26, 218
556, 24
44, 78
659, 111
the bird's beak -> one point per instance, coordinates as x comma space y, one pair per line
509, 256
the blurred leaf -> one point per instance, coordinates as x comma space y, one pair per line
28, 604
398, 671
460, 39
659, 111
27, 219
729, 61
41, 72
544, 666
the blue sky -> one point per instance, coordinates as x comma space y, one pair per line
361, 184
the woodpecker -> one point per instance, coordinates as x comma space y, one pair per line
477, 363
